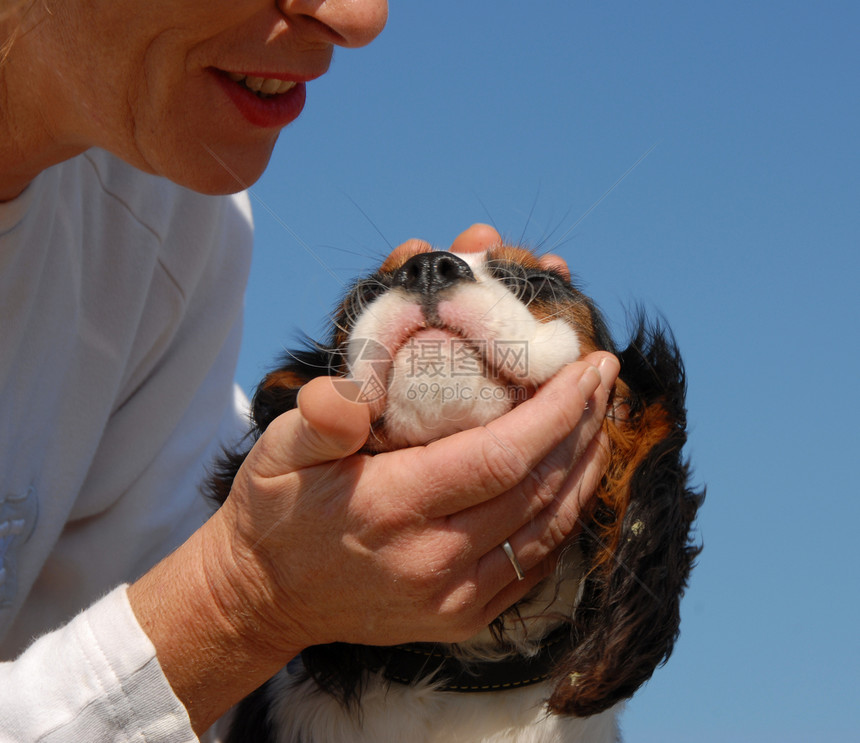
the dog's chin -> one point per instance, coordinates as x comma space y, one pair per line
439, 394
414, 417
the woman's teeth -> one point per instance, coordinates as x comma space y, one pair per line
262, 86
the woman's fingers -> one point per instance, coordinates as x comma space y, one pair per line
503, 453
494, 585
481, 237
537, 540
555, 263
475, 239
545, 506
327, 425
404, 251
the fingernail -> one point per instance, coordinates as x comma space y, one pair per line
608, 368
589, 382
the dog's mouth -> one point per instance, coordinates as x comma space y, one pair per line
436, 350
430, 379
431, 364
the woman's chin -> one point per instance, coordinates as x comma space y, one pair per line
225, 170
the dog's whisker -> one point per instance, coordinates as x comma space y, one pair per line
603, 197
372, 222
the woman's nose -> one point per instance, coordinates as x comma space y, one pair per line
349, 23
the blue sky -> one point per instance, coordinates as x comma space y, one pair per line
699, 158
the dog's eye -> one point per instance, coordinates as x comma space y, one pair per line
529, 284
364, 292
507, 272
514, 276
548, 281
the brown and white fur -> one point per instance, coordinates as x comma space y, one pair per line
442, 342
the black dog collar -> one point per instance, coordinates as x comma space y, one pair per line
408, 664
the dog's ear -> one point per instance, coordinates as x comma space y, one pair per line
220, 481
638, 543
251, 719
276, 394
279, 390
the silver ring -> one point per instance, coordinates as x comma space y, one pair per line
509, 551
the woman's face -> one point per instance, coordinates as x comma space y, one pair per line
195, 90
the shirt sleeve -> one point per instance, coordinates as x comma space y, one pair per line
96, 679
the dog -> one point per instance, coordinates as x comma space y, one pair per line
441, 342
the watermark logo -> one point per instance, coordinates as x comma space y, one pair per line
444, 358
458, 391
513, 357
18, 515
372, 361
441, 369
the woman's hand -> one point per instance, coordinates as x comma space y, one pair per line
404, 546
318, 544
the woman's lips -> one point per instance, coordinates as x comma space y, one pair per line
265, 102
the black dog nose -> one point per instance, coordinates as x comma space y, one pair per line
428, 273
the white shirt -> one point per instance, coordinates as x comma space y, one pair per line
120, 320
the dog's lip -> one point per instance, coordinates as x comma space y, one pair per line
412, 319
430, 329
473, 341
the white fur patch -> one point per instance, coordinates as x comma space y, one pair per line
489, 354
418, 714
